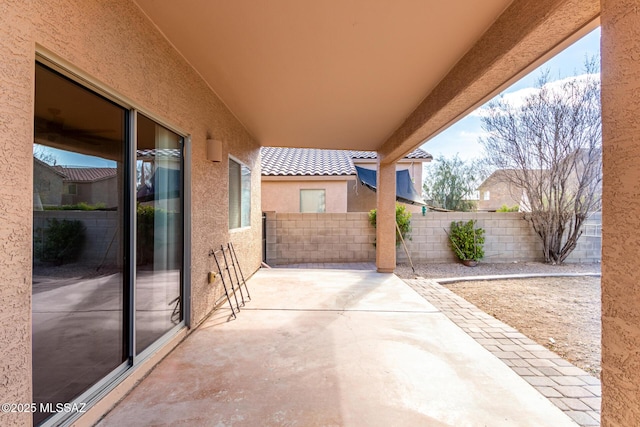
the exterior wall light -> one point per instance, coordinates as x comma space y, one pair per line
214, 150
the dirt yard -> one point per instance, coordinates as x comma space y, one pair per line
560, 313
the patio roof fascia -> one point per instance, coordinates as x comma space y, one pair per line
522, 38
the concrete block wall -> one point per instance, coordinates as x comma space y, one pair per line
348, 237
508, 237
308, 237
100, 227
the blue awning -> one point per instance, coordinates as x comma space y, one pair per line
405, 192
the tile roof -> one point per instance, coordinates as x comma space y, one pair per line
305, 161
276, 161
87, 174
418, 153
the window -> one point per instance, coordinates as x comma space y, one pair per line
313, 201
486, 195
72, 189
239, 195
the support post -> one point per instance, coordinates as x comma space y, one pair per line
620, 47
386, 217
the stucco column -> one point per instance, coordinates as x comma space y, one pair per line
621, 213
386, 217
16, 207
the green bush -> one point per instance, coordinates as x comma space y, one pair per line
466, 240
82, 206
61, 241
403, 219
505, 208
148, 219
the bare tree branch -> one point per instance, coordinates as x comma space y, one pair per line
552, 147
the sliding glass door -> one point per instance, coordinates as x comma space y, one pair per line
78, 254
98, 300
159, 231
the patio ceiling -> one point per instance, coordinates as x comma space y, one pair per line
360, 74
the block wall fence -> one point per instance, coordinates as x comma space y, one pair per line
100, 245
347, 237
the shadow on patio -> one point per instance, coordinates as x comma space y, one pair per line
333, 347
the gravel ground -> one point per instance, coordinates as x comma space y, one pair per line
441, 271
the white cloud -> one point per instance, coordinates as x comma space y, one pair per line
517, 98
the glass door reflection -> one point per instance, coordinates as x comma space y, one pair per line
159, 245
78, 259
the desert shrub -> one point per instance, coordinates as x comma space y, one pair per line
403, 219
82, 206
505, 208
61, 242
467, 241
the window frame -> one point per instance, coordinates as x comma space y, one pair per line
241, 165
324, 193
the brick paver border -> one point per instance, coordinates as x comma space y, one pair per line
568, 387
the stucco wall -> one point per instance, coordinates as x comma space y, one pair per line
103, 191
114, 44
621, 213
16, 201
283, 195
49, 184
500, 193
301, 238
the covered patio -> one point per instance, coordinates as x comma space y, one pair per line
333, 347
236, 76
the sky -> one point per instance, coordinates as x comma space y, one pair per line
462, 137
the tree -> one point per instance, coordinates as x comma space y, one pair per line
552, 145
44, 154
449, 183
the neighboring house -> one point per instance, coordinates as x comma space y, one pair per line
497, 190
500, 188
61, 185
89, 185
313, 180
48, 184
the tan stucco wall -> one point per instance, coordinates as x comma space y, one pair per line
114, 44
48, 185
16, 198
500, 193
620, 47
284, 195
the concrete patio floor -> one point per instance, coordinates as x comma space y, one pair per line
333, 347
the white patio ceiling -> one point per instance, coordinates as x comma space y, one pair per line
341, 74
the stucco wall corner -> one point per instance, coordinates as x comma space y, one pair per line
16, 201
620, 44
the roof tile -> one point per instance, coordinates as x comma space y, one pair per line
278, 161
87, 174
